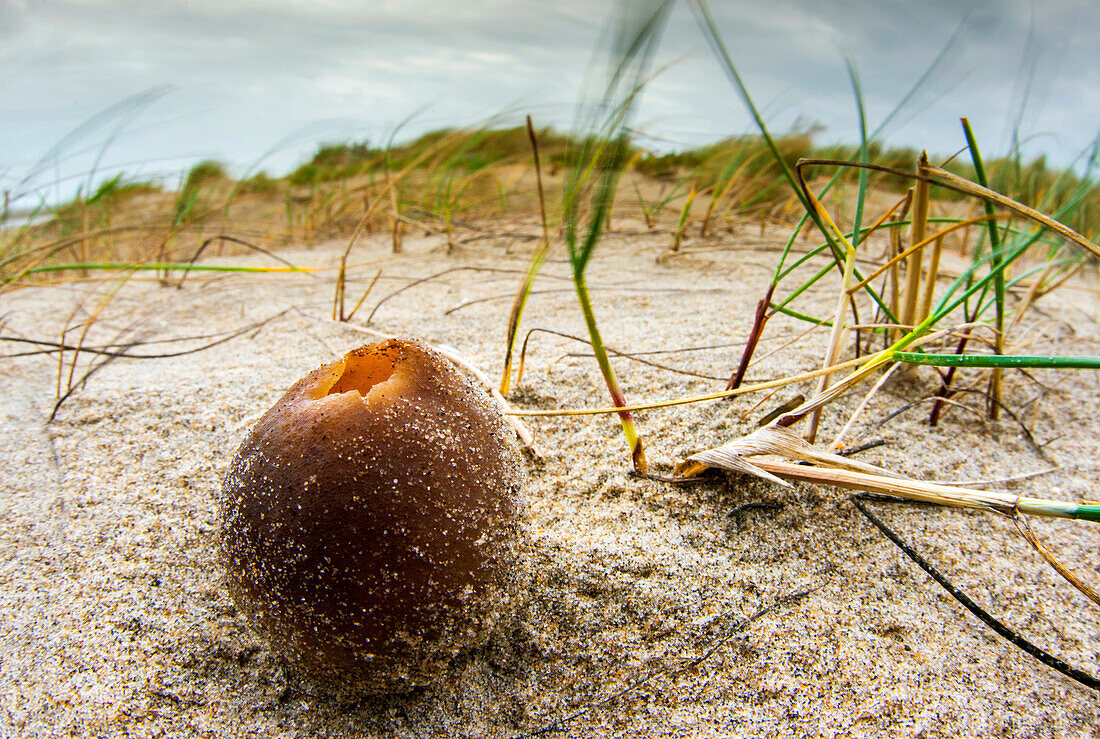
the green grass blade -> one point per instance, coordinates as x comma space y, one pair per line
994, 236
718, 46
603, 155
1001, 361
861, 190
800, 316
153, 266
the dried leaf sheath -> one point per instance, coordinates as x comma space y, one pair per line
832, 469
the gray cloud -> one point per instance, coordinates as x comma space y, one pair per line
246, 73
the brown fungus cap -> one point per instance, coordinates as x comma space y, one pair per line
369, 521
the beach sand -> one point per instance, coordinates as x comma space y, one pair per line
731, 607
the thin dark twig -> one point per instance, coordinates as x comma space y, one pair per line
1003, 631
945, 390
866, 446
119, 350
437, 275
559, 724
55, 346
634, 357
754, 506
609, 288
1028, 436
107, 358
650, 352
671, 480
80, 383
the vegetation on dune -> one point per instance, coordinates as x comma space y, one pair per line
448, 178
868, 224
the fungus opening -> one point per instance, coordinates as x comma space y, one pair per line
362, 374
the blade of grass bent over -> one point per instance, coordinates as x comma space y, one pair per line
951, 181
604, 152
541, 251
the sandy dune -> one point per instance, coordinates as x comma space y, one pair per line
727, 608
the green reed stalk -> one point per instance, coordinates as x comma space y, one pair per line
997, 269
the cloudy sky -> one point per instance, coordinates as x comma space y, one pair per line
241, 80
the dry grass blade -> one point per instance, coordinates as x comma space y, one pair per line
838, 441
914, 264
633, 357
840, 316
395, 219
925, 307
429, 278
828, 395
774, 440
524, 290
92, 318
743, 390
1070, 575
1044, 284
73, 386
900, 256
827, 468
359, 303
945, 495
119, 350
939, 176
894, 298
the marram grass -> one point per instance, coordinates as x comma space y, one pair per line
997, 361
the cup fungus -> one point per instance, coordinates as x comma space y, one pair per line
369, 521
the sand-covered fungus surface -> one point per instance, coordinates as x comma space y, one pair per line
369, 524
730, 607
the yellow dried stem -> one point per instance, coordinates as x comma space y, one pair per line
841, 314
917, 226
743, 390
964, 247
1070, 575
366, 292
395, 221
961, 184
1040, 287
930, 280
109, 295
901, 255
895, 273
